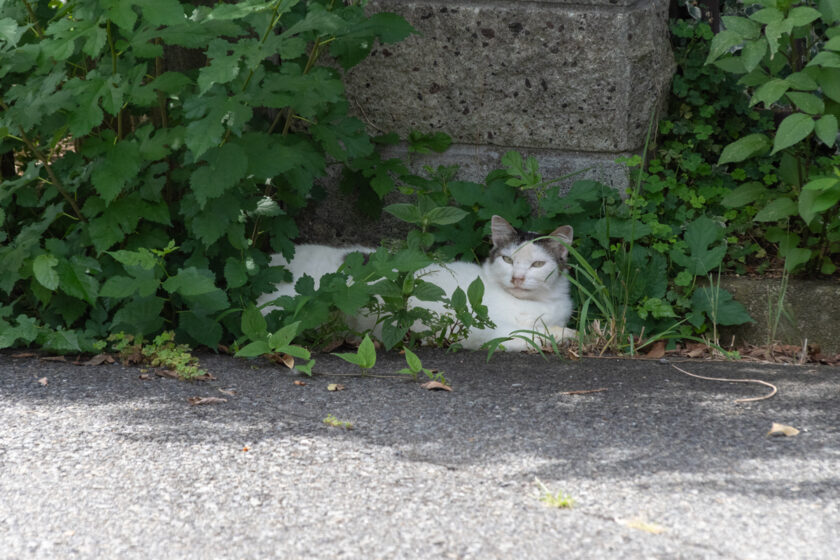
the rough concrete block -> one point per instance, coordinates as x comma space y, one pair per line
546, 75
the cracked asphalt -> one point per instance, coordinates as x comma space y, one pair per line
110, 462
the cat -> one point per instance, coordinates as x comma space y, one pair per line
524, 278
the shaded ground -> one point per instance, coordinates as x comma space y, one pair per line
99, 463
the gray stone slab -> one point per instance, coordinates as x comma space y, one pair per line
810, 310
564, 77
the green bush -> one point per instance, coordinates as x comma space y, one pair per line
148, 196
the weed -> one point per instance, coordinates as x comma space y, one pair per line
161, 352
559, 500
415, 367
334, 422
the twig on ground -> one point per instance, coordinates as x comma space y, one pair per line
773, 387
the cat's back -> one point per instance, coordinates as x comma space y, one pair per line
316, 260
309, 260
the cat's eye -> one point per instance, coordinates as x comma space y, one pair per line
507, 259
538, 264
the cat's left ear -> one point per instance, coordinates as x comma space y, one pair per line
561, 237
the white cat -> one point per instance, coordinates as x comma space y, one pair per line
524, 281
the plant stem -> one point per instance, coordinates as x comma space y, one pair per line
36, 28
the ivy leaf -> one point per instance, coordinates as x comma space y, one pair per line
793, 129
227, 165
699, 235
44, 269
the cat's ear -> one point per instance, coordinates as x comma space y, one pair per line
502, 233
560, 238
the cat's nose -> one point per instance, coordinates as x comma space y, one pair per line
517, 280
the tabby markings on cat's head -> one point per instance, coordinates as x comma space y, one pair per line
526, 264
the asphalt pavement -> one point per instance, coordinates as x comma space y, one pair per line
112, 461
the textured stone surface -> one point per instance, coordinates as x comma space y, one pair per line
578, 77
811, 310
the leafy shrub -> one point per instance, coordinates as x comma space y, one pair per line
147, 196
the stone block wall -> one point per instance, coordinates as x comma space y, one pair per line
574, 83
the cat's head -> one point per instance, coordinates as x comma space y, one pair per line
525, 265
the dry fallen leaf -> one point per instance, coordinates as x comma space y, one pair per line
144, 377
782, 430
299, 383
435, 386
205, 400
43, 381
335, 387
230, 392
24, 355
166, 373
99, 359
54, 359
657, 350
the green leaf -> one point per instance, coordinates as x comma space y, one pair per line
699, 235
767, 15
801, 81
445, 215
776, 210
254, 349
822, 184
744, 194
793, 129
825, 59
475, 293
190, 281
826, 129
405, 212
829, 81
753, 53
118, 287
744, 148
120, 12
774, 32
283, 336
253, 324
829, 10
201, 328
120, 163
344, 139
721, 43
807, 102
426, 291
163, 12
75, 281
235, 272
227, 165
770, 92
742, 26
44, 269
139, 316
413, 362
367, 353
719, 306
802, 15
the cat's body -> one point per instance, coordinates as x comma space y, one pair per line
525, 287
